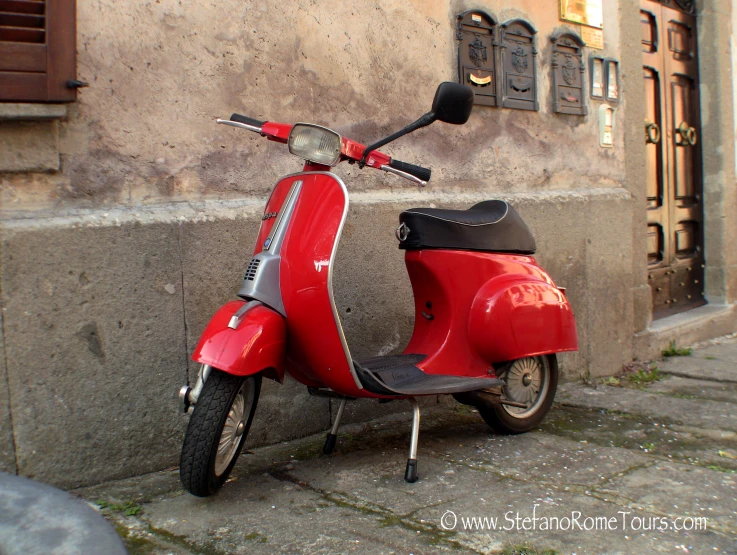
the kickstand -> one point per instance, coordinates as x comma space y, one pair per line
329, 446
410, 474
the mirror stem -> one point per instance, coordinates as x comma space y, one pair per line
424, 121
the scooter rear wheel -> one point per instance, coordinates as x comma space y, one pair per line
217, 431
531, 380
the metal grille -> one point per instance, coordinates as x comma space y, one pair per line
251, 270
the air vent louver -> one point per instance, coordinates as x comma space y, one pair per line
251, 270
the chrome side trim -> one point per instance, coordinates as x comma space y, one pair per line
238, 317
276, 237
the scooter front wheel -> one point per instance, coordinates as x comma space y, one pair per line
532, 381
217, 431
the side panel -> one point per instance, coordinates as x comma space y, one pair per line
317, 346
516, 316
257, 344
456, 324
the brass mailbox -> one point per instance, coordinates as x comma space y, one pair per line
477, 55
569, 95
518, 65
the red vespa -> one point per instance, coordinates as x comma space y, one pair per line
488, 320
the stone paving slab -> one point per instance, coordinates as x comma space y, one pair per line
688, 388
615, 534
264, 515
540, 457
715, 362
700, 368
702, 413
681, 490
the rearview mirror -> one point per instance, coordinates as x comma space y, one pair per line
453, 103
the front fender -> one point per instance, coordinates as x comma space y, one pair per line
516, 316
258, 344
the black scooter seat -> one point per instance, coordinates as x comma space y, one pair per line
398, 375
489, 226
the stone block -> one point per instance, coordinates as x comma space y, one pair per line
29, 146
94, 338
372, 289
7, 445
609, 283
642, 302
686, 328
731, 279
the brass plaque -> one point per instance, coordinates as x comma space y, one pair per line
594, 38
478, 80
585, 12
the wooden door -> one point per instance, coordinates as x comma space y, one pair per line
675, 235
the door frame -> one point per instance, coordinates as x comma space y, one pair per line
718, 166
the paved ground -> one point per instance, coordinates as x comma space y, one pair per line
618, 465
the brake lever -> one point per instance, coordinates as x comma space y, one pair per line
238, 124
406, 175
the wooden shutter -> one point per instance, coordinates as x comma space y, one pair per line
38, 51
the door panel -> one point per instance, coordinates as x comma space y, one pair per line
683, 93
653, 118
674, 180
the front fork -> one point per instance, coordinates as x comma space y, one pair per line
188, 396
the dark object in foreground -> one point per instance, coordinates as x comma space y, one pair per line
39, 519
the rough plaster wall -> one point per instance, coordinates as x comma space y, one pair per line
160, 72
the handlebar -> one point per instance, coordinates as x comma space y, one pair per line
248, 121
419, 172
350, 150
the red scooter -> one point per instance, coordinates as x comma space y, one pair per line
488, 319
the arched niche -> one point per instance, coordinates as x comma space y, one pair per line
477, 55
518, 65
568, 68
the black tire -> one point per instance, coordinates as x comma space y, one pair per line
500, 417
197, 466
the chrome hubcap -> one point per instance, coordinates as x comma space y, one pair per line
526, 381
235, 427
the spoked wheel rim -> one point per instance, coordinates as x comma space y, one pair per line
527, 381
235, 427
